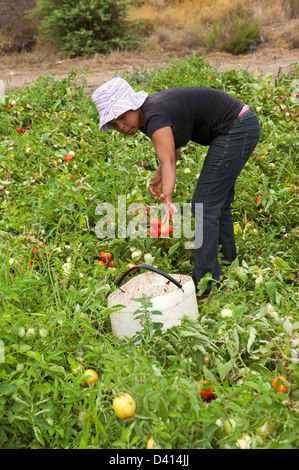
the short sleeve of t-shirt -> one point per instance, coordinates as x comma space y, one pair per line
157, 116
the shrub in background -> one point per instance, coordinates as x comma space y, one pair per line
83, 27
236, 39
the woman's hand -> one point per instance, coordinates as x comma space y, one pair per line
169, 208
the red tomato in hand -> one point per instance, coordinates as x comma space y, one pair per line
166, 230
154, 232
155, 223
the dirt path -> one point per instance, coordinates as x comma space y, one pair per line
19, 69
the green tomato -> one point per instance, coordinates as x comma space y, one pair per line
43, 332
21, 332
136, 255
30, 332
147, 257
226, 312
229, 426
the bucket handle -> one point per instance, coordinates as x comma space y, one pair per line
151, 268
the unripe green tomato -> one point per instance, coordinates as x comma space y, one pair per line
229, 425
30, 332
21, 332
147, 256
136, 255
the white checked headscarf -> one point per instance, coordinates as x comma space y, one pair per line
114, 98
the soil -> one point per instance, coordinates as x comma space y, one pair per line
20, 69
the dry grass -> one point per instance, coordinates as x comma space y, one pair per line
189, 22
181, 25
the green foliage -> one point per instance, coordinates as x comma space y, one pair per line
83, 27
144, 315
54, 316
234, 40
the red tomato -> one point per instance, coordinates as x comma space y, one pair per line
68, 158
35, 248
166, 230
206, 395
155, 223
154, 232
258, 199
105, 256
281, 387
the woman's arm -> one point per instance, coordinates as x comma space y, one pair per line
165, 149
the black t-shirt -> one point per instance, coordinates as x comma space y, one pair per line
194, 113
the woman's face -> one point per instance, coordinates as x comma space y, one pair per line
128, 122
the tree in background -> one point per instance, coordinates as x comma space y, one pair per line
83, 27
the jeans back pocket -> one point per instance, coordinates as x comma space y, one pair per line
250, 142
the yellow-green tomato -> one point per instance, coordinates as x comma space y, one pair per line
151, 444
92, 377
124, 406
244, 441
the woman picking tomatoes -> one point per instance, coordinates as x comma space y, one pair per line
171, 118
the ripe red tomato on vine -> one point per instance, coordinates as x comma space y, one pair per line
105, 256
155, 223
154, 232
166, 230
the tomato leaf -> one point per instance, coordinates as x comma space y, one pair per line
174, 248
280, 263
163, 409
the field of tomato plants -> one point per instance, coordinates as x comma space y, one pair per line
206, 384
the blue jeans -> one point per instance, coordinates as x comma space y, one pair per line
215, 189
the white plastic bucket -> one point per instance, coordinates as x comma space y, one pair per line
174, 296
